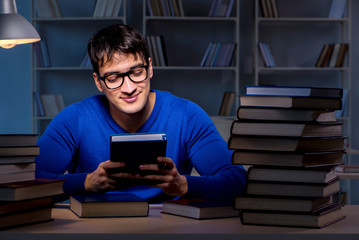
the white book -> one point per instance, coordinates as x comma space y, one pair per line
334, 56
109, 8
49, 103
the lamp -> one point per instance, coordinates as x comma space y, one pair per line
14, 28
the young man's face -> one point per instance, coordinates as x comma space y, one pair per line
131, 97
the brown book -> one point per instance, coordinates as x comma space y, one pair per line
322, 55
290, 204
19, 151
200, 208
328, 55
16, 191
293, 189
284, 114
289, 159
303, 175
293, 129
267, 143
316, 219
342, 55
17, 206
109, 205
17, 159
227, 104
23, 140
291, 102
25, 217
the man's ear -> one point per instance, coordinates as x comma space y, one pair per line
150, 69
97, 82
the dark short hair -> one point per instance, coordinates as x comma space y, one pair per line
117, 38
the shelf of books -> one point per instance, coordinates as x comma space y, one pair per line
180, 37
292, 143
297, 43
60, 60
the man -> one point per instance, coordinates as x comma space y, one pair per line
77, 141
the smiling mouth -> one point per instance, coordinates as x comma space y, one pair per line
131, 98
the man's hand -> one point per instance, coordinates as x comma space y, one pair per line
172, 183
106, 177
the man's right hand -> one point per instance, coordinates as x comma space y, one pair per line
107, 177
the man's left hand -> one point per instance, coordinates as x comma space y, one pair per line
172, 183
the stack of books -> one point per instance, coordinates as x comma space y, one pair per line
23, 199
292, 142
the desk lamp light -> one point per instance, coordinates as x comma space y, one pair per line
14, 28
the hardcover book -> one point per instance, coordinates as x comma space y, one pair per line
316, 219
293, 189
274, 203
16, 191
110, 204
291, 102
294, 91
200, 208
284, 114
290, 159
268, 143
24, 140
289, 129
303, 175
138, 148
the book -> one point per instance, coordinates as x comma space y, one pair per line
294, 91
328, 55
24, 140
289, 159
17, 172
272, 203
291, 102
19, 151
7, 207
17, 159
342, 55
52, 104
298, 175
135, 149
42, 53
322, 55
304, 144
334, 56
200, 208
284, 114
293, 189
347, 168
293, 129
227, 103
25, 217
16, 191
316, 219
337, 8
110, 204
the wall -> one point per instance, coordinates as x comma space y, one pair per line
15, 84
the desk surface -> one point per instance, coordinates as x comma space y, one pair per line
158, 223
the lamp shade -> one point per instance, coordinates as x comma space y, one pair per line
14, 28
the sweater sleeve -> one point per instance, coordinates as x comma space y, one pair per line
211, 157
58, 152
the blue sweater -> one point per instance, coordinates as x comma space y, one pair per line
78, 139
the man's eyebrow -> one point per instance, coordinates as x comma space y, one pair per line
131, 68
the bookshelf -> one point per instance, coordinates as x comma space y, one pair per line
187, 36
295, 37
66, 35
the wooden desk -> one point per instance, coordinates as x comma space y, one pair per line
65, 222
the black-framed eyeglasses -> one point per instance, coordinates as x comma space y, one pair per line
115, 80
